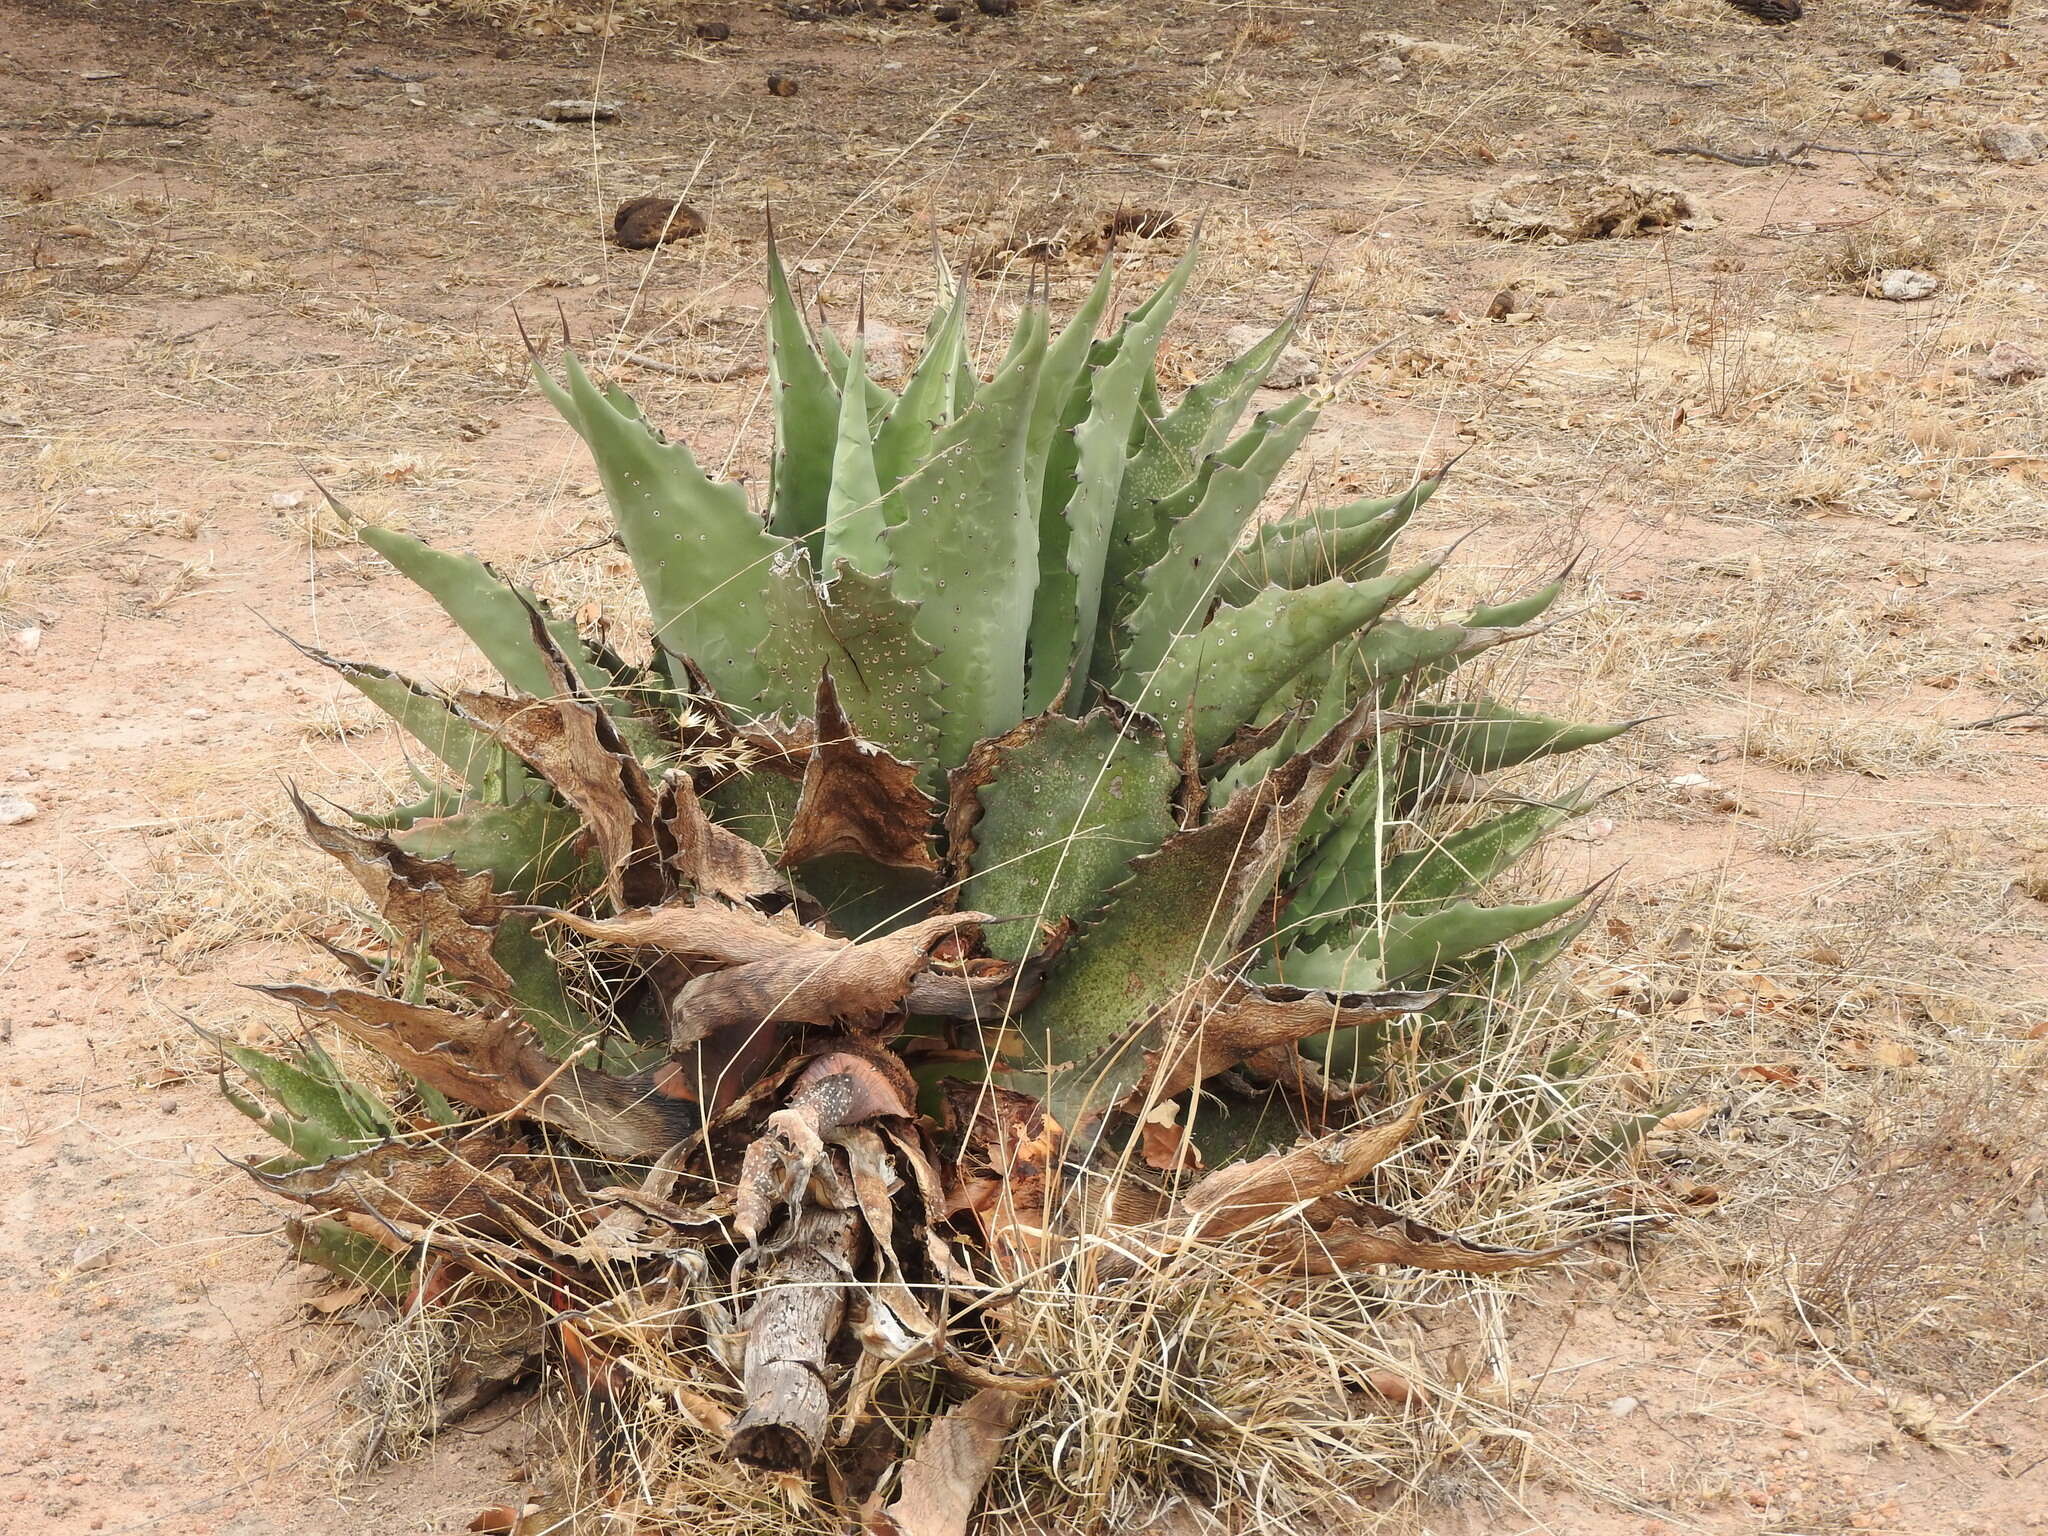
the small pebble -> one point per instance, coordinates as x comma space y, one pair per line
2012, 143
1622, 1407
2010, 363
15, 809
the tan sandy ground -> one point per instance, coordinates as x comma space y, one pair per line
1809, 536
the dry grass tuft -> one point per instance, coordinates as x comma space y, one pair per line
1893, 240
1204, 1388
1881, 746
1919, 1259
220, 876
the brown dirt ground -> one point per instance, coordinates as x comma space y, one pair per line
1809, 539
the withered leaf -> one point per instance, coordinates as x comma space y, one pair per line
1344, 1233
456, 913
703, 933
575, 745
489, 1063
1244, 1194
1221, 1021
478, 1181
858, 798
943, 1479
710, 860
852, 984
710, 934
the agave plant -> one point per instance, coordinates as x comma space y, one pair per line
1009, 832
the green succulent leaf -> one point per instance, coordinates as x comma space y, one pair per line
1515, 612
534, 850
426, 715
1416, 944
1177, 591
967, 550
806, 415
1075, 541
320, 1114
1350, 541
903, 443
1140, 537
1221, 674
853, 512
702, 557
490, 610
1065, 805
1486, 737
1067, 357
879, 401
883, 668
1465, 860
348, 1255
1339, 872
1180, 915
1199, 423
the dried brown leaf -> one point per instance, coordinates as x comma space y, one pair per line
710, 860
489, 1063
854, 984
858, 799
942, 1481
1219, 1022
702, 933
481, 1182
1342, 1234
1245, 1194
575, 745
455, 913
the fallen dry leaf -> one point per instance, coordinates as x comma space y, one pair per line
1342, 1234
857, 984
1685, 1119
942, 1481
489, 1063
574, 744
1889, 1055
1237, 1197
1784, 1075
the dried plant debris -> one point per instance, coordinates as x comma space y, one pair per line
1567, 206
1064, 229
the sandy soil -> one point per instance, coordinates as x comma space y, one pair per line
242, 245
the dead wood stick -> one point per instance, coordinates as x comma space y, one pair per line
790, 1330
71, 122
